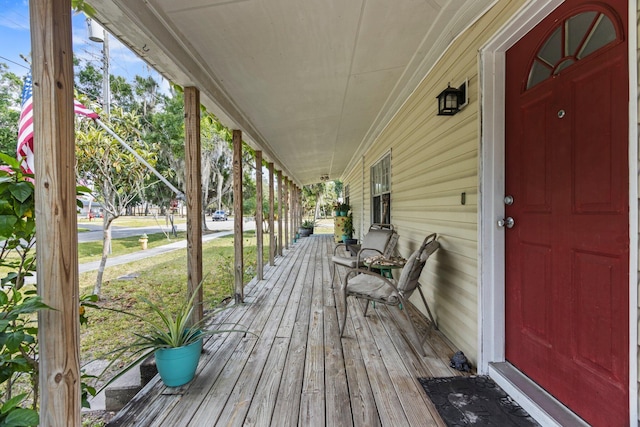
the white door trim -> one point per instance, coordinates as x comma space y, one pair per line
491, 247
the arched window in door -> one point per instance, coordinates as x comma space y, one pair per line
575, 38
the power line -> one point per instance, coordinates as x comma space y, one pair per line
14, 62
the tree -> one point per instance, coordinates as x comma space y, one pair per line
217, 162
116, 175
146, 89
10, 90
122, 93
89, 81
166, 129
313, 195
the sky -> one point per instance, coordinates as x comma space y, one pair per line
15, 41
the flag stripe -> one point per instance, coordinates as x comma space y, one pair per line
84, 111
25, 130
25, 126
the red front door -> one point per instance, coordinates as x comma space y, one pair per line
567, 255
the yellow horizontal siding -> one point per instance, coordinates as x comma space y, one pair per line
433, 160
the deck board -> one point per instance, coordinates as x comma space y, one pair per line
296, 370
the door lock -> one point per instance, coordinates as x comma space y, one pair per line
506, 222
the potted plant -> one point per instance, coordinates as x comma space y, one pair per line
347, 229
343, 209
306, 228
171, 336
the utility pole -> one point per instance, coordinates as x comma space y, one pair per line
99, 35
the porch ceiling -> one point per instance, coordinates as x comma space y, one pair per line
310, 83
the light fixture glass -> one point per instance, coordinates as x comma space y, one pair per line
449, 101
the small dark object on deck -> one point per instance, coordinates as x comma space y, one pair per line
459, 361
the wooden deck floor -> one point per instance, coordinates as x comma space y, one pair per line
296, 370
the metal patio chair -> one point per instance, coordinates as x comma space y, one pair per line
364, 284
381, 239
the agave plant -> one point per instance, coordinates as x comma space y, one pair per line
164, 329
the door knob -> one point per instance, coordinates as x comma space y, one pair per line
506, 222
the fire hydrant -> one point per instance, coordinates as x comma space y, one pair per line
143, 240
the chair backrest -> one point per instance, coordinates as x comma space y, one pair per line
391, 246
377, 225
408, 281
377, 238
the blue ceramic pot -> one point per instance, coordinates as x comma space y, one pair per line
177, 366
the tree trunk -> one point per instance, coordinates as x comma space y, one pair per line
316, 214
219, 182
106, 250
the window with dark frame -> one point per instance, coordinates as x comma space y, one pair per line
346, 195
381, 191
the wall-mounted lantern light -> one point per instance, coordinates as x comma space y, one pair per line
452, 99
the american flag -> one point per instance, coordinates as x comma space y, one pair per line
25, 127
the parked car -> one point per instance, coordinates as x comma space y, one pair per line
219, 216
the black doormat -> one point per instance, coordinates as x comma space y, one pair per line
474, 401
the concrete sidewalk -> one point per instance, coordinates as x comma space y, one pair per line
147, 253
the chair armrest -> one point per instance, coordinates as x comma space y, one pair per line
335, 249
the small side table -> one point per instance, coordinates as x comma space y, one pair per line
385, 265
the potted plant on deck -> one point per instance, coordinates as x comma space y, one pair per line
306, 228
347, 228
343, 209
172, 337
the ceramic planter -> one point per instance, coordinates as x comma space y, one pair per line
305, 232
177, 366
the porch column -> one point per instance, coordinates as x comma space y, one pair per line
193, 184
301, 211
286, 212
55, 205
238, 265
280, 213
272, 231
294, 209
259, 236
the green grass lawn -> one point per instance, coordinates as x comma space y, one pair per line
160, 278
137, 221
92, 251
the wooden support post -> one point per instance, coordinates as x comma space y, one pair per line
299, 193
55, 198
272, 231
285, 206
280, 202
193, 185
294, 214
237, 216
259, 236
294, 209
